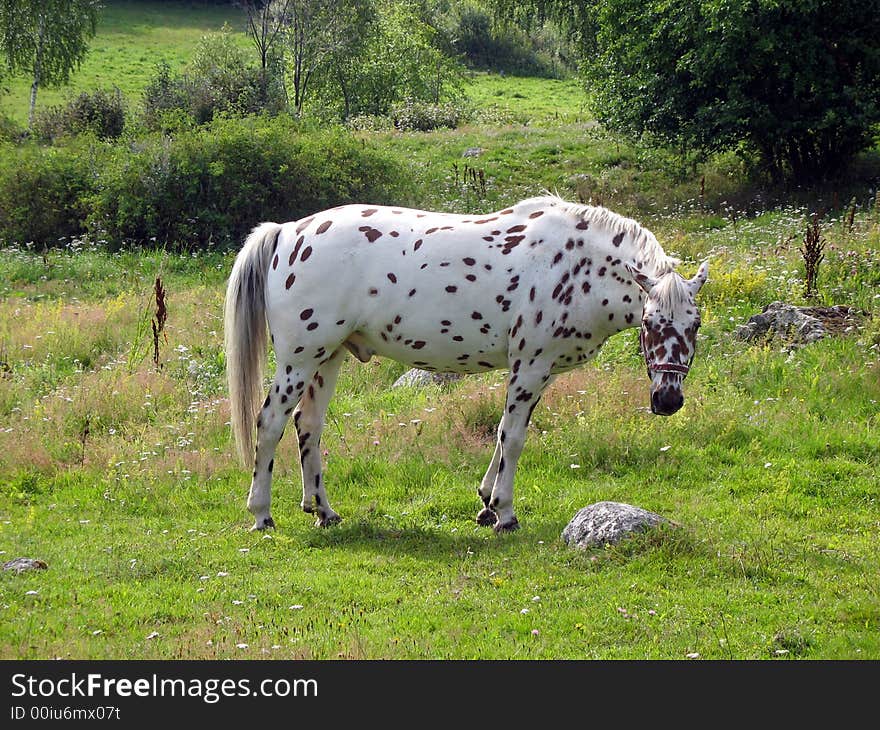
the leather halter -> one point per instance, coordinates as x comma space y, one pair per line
668, 367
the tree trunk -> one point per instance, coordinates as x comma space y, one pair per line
343, 88
38, 68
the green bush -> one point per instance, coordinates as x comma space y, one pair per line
402, 59
9, 130
219, 80
422, 116
794, 85
207, 187
101, 113
44, 191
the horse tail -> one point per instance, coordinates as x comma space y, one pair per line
245, 332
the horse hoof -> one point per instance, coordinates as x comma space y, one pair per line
486, 518
511, 526
265, 524
326, 520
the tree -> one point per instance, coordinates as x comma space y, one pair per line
400, 59
318, 34
266, 22
46, 38
795, 84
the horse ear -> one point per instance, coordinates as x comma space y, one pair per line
643, 280
700, 278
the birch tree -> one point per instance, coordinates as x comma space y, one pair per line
319, 34
47, 39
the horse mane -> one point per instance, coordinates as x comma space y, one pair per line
649, 254
670, 291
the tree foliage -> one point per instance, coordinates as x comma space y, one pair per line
401, 59
219, 79
46, 38
319, 35
795, 84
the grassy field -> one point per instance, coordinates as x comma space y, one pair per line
133, 38
121, 475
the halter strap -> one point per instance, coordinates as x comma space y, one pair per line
661, 367
668, 367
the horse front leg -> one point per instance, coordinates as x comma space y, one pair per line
496, 490
486, 517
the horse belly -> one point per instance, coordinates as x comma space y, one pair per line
435, 337
436, 318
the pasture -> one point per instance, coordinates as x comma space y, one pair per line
121, 477
119, 472
133, 38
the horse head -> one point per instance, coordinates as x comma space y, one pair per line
668, 337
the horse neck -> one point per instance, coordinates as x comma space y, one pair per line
615, 288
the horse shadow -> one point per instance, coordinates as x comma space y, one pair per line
423, 542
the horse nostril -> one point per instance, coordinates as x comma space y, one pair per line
672, 403
655, 401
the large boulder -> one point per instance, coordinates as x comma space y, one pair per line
799, 325
608, 522
416, 378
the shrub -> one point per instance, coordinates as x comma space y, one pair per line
804, 104
207, 187
505, 47
10, 131
421, 116
402, 59
219, 80
44, 191
100, 112
369, 123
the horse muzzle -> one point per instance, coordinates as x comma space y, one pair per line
666, 401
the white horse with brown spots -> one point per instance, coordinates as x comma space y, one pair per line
536, 289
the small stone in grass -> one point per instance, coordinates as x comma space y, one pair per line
19, 565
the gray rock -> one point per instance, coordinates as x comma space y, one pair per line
798, 325
19, 565
416, 378
608, 522
473, 152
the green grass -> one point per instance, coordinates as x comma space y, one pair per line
528, 100
770, 471
132, 39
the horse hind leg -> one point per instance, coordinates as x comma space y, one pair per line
308, 420
285, 391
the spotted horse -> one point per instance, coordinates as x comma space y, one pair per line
535, 289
